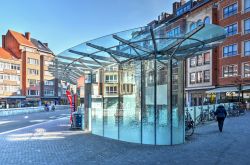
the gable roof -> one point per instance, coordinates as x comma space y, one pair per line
20, 38
5, 54
40, 46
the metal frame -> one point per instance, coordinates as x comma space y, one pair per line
172, 51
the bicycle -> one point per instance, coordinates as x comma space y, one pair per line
233, 111
203, 117
189, 125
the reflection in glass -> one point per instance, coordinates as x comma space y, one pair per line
130, 110
148, 114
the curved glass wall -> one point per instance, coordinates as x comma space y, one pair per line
137, 87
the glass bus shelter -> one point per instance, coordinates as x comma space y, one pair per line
134, 88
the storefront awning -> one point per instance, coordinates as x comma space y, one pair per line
223, 89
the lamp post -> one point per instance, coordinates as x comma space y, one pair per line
239, 82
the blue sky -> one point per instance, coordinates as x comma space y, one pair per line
66, 23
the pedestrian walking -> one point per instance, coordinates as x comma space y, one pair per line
220, 114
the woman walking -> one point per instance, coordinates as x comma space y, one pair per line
220, 114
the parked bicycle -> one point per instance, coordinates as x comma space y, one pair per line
189, 125
233, 111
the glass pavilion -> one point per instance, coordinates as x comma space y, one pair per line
135, 87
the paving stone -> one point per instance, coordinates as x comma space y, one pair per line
54, 143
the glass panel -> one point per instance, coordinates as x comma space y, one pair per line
110, 105
247, 48
130, 113
177, 103
148, 114
163, 126
97, 116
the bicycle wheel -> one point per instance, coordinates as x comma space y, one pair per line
189, 132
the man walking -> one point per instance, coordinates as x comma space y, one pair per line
221, 114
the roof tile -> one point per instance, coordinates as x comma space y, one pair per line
21, 39
5, 54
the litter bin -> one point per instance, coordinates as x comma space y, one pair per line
77, 120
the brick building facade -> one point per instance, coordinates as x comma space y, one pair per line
29, 60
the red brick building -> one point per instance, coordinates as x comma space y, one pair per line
38, 83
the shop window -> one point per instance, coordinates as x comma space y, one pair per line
230, 50
230, 71
231, 29
230, 10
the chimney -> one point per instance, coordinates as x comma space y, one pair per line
176, 5
3, 41
27, 35
46, 44
183, 2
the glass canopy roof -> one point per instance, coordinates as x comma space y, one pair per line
167, 41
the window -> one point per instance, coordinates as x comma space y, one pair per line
9, 77
199, 77
49, 92
247, 26
206, 75
49, 82
47, 73
246, 68
15, 67
207, 20
207, 58
200, 60
33, 92
231, 29
111, 68
174, 32
192, 61
246, 5
33, 71
33, 61
7, 66
49, 63
192, 26
199, 23
230, 10
184, 8
230, 71
111, 89
192, 78
247, 48
111, 78
33, 82
230, 50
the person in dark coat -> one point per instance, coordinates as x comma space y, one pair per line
221, 114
